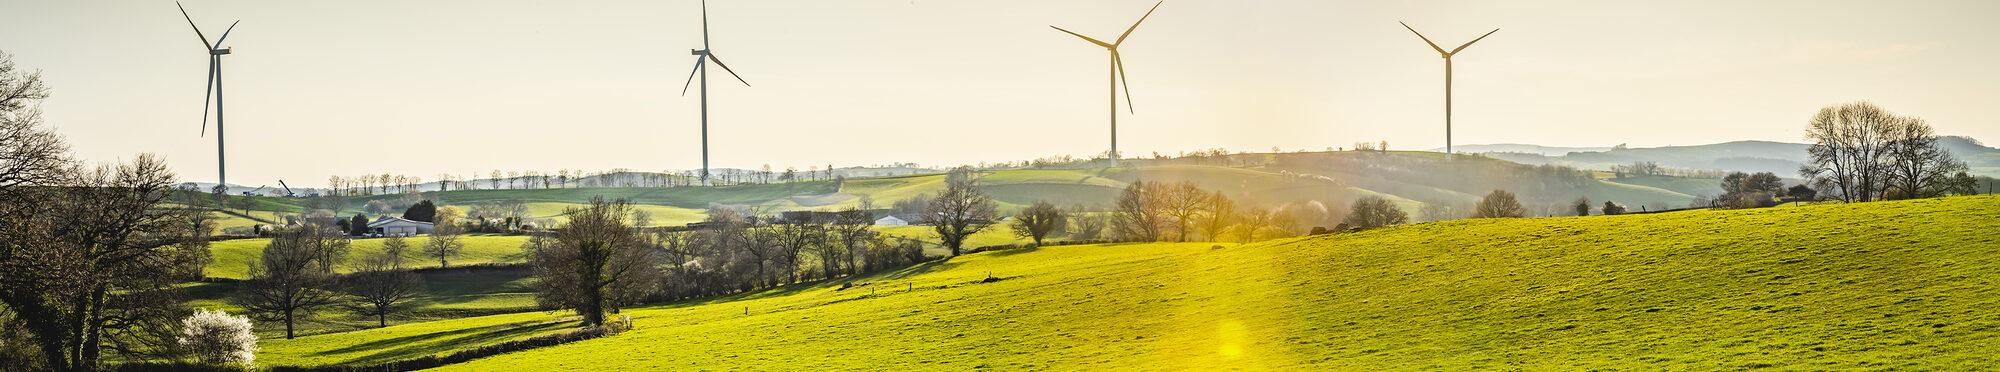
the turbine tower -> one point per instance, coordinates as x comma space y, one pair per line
1117, 75
214, 90
701, 57
1447, 79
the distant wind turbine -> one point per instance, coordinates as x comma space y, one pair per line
1447, 79
214, 90
1117, 75
702, 56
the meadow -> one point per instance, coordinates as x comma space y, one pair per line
230, 259
1887, 285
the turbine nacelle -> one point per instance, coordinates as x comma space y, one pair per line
698, 52
218, 51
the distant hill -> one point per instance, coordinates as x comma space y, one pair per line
1520, 148
1743, 156
1322, 182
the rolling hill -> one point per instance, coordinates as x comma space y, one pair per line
1741, 156
1887, 285
1334, 179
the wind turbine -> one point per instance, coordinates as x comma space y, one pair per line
214, 90
1117, 75
1447, 79
702, 56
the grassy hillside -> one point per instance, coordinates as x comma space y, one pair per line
1685, 185
447, 295
1890, 285
232, 257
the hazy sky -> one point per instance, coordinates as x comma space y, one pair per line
427, 87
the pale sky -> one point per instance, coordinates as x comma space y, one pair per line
427, 87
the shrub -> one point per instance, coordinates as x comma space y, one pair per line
214, 337
1611, 209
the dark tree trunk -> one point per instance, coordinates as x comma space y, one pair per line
288, 324
93, 332
593, 306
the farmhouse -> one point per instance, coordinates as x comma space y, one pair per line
398, 226
891, 221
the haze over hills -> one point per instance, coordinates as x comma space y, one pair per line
1782, 158
1322, 182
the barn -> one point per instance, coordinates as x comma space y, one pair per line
891, 221
398, 226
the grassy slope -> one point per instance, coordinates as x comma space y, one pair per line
447, 295
232, 257
1684, 185
1891, 285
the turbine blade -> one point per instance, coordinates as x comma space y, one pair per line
209, 93
1427, 40
225, 33
704, 24
1122, 80
1092, 41
697, 69
197, 30
725, 67
1469, 43
1135, 25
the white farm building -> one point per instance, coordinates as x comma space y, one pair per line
397, 226
891, 221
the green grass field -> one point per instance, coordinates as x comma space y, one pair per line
1890, 285
1685, 185
231, 258
994, 235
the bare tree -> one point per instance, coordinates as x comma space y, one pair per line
1184, 203
1217, 216
1256, 223
381, 288
29, 154
865, 202
850, 228
1136, 214
1086, 224
1918, 167
292, 279
1038, 221
959, 211
1582, 206
1439, 211
515, 210
597, 259
641, 218
444, 240
94, 262
1374, 211
1850, 143
794, 237
1499, 204
1742, 190
394, 247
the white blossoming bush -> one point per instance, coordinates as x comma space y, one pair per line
214, 337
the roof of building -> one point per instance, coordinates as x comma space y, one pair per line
388, 220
